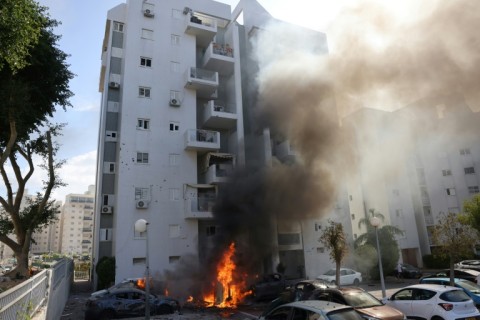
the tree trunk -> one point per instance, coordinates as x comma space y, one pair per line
337, 274
21, 270
452, 272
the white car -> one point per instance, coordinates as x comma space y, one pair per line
347, 276
312, 309
432, 301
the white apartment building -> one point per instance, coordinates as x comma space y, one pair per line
76, 223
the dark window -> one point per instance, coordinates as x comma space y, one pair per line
469, 170
279, 314
454, 296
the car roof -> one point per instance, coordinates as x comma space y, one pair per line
120, 290
433, 287
318, 283
318, 305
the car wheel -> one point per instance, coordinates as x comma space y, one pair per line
107, 315
356, 282
164, 309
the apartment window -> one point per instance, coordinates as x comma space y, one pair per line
451, 191
145, 62
320, 250
211, 231
174, 231
106, 234
173, 159
174, 126
144, 92
175, 39
173, 259
142, 157
465, 151
143, 124
147, 34
469, 170
446, 172
174, 66
117, 26
142, 193
353, 216
136, 261
174, 194
288, 239
105, 200
473, 189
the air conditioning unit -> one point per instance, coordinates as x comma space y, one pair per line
174, 102
148, 13
107, 209
114, 85
142, 204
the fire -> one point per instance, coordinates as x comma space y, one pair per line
190, 299
141, 283
166, 292
230, 291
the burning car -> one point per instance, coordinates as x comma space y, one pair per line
130, 283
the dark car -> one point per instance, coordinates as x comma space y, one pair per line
312, 310
467, 274
409, 271
268, 286
123, 303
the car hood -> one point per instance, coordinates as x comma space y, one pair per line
382, 312
99, 293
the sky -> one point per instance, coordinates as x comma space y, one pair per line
81, 30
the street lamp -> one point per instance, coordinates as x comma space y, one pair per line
141, 225
375, 223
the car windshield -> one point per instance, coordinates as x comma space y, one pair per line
361, 300
470, 286
345, 314
330, 272
455, 296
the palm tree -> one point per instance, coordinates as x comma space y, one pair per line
386, 236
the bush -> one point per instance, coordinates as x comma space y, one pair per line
431, 261
105, 270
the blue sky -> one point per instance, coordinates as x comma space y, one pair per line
82, 29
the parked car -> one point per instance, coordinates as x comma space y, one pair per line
467, 274
409, 271
470, 288
432, 301
271, 286
121, 303
132, 283
468, 264
347, 276
364, 303
312, 310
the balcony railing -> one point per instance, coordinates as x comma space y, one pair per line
206, 140
204, 28
199, 208
205, 82
219, 115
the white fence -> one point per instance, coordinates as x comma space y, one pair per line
50, 287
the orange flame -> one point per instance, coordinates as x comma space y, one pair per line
166, 292
230, 293
141, 283
190, 299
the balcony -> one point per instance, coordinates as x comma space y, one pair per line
217, 167
205, 82
218, 115
284, 151
202, 140
219, 57
199, 208
204, 28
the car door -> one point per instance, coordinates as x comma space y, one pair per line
344, 277
119, 303
136, 304
423, 304
281, 313
402, 300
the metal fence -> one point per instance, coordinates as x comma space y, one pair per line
50, 287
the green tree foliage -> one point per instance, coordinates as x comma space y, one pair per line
29, 97
334, 239
454, 238
471, 209
388, 244
21, 22
105, 270
365, 258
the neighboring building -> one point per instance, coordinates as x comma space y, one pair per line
76, 223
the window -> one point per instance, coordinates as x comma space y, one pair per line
144, 92
117, 26
173, 159
451, 191
353, 216
174, 66
105, 234
142, 157
175, 39
147, 34
211, 231
174, 231
174, 194
145, 62
286, 239
105, 200
446, 172
173, 259
139, 261
469, 170
174, 126
142, 193
465, 151
143, 124
473, 189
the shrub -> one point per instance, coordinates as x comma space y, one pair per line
105, 270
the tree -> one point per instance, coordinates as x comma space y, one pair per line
29, 97
334, 239
454, 238
386, 236
471, 209
21, 22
